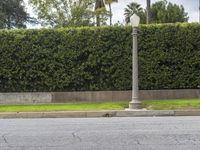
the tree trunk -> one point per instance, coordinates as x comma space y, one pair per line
199, 11
98, 5
110, 14
148, 21
9, 23
98, 20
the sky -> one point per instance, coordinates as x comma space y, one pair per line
191, 6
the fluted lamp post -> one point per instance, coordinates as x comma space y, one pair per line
135, 103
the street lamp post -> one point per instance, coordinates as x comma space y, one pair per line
135, 102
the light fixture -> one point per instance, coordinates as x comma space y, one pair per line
135, 20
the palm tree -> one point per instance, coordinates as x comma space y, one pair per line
134, 8
99, 6
109, 2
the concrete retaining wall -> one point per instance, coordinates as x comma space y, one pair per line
88, 96
25, 98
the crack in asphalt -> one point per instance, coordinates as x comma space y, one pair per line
4, 138
76, 136
137, 141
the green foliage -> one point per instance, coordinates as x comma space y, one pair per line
13, 14
99, 58
101, 13
161, 12
64, 13
109, 3
101, 16
169, 57
167, 12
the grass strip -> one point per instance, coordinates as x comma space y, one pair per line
65, 107
148, 104
172, 104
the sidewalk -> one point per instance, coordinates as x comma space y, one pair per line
94, 114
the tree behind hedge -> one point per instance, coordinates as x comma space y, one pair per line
13, 14
64, 13
167, 12
161, 12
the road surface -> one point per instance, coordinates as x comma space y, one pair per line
152, 133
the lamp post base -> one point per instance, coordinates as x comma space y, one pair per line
134, 104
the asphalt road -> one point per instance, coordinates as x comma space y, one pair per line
152, 133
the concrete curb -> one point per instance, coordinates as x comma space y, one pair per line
92, 114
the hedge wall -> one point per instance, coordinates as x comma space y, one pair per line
99, 58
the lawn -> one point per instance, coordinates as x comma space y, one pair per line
149, 105
64, 107
172, 104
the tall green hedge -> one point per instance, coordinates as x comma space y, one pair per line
99, 58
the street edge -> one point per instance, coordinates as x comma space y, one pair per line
94, 114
